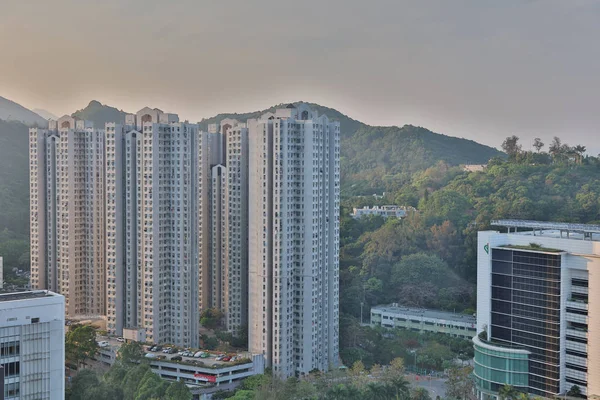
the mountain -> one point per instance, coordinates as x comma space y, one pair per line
380, 158
14, 177
45, 114
100, 114
11, 111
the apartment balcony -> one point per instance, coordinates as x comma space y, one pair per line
580, 289
581, 347
580, 319
577, 305
575, 360
579, 375
577, 333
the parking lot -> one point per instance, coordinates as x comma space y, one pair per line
211, 362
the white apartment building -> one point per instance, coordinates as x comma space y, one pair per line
67, 213
209, 155
152, 221
32, 345
294, 240
383, 211
235, 274
537, 294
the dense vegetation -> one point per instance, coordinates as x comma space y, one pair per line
130, 378
14, 199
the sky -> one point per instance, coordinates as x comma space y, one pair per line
479, 69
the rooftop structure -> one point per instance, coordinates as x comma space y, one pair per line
424, 320
384, 211
551, 229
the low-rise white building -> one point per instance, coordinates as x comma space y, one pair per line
383, 211
32, 345
424, 320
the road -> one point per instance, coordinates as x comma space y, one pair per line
435, 386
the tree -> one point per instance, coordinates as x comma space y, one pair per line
511, 146
575, 391
151, 386
419, 393
579, 150
80, 344
178, 391
538, 144
211, 318
508, 392
81, 382
556, 148
459, 384
131, 353
132, 380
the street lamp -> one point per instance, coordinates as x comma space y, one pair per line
361, 312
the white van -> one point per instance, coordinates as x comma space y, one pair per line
103, 343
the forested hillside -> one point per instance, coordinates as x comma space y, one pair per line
14, 196
377, 159
429, 259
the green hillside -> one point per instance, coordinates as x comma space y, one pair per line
377, 159
100, 114
14, 178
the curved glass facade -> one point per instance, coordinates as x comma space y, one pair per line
496, 366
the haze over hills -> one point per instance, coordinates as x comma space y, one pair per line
11, 111
45, 114
372, 156
100, 114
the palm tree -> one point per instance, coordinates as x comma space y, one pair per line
507, 392
579, 150
420, 393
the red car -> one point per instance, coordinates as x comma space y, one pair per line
226, 358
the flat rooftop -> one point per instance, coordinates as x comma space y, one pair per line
427, 313
550, 229
34, 294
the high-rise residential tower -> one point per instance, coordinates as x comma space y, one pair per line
67, 214
235, 274
536, 309
152, 213
294, 180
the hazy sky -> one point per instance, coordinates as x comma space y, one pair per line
481, 69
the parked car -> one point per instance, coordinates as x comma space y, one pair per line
161, 357
227, 358
157, 348
120, 339
103, 343
150, 355
198, 354
204, 355
220, 357
176, 358
166, 350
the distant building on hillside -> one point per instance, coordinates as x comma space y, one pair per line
424, 320
474, 167
32, 345
384, 211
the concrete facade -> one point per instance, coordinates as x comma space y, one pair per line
67, 214
152, 217
32, 343
565, 309
294, 240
